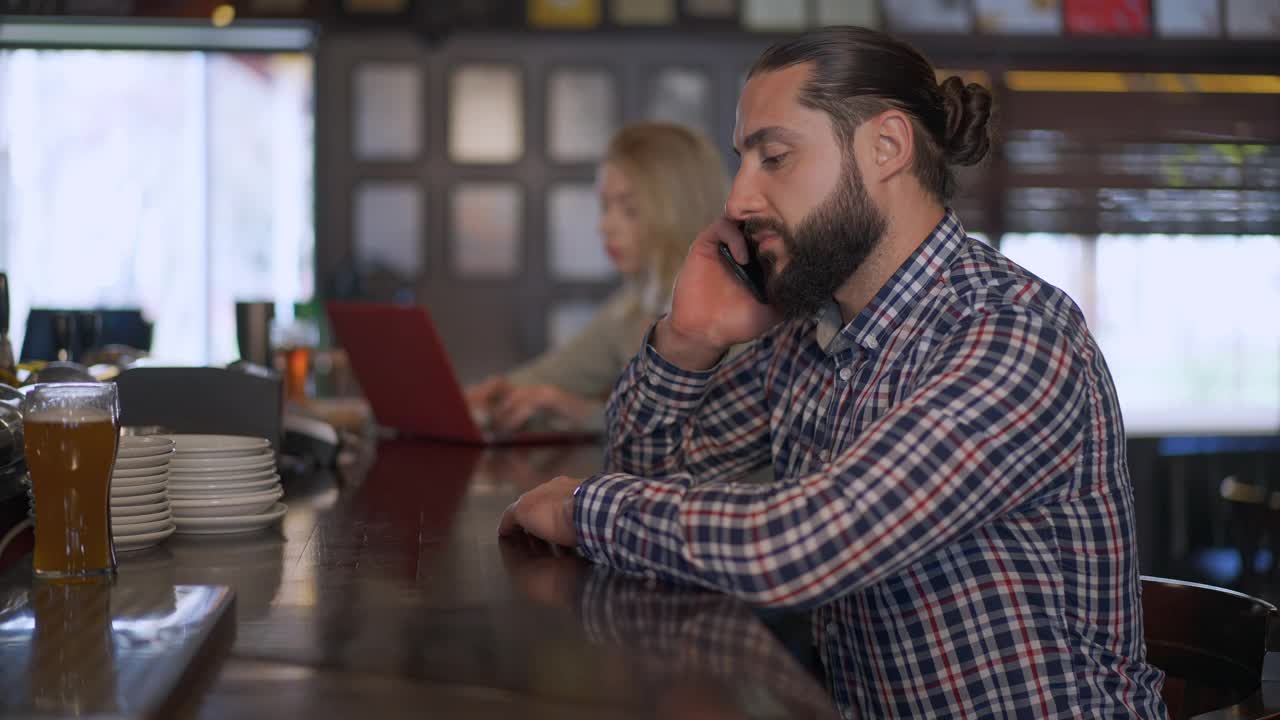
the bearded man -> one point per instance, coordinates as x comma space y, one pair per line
951, 499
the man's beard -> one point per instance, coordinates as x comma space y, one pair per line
832, 241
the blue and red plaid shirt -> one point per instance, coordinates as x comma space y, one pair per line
951, 496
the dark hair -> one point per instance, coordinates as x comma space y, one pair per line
858, 73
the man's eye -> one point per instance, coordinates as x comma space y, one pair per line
773, 161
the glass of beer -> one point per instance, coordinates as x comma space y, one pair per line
70, 431
294, 342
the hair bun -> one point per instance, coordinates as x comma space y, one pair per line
968, 110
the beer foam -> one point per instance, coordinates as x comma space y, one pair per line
68, 415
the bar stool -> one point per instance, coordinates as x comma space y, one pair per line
1219, 649
1250, 518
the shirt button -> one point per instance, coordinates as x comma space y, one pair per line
845, 374
831, 628
824, 455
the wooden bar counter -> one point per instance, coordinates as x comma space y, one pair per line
387, 593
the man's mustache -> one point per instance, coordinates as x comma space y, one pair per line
756, 225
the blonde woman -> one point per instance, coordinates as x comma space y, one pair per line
659, 185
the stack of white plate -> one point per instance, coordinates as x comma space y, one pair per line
220, 484
140, 514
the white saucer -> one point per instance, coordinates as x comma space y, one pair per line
139, 472
138, 542
123, 511
189, 487
227, 505
150, 461
251, 464
181, 477
120, 531
136, 446
123, 491
136, 481
225, 454
218, 444
126, 520
227, 525
134, 500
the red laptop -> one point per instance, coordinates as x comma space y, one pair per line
413, 389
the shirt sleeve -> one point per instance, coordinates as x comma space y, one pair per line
588, 364
664, 421
994, 422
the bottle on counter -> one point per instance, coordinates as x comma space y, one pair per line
8, 363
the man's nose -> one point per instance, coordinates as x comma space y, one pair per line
745, 198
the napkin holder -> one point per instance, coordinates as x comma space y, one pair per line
202, 400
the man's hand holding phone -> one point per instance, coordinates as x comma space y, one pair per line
711, 308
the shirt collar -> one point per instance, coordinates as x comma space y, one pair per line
871, 328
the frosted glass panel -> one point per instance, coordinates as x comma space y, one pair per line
1188, 18
486, 116
1253, 18
573, 219
582, 114
929, 16
1016, 17
387, 101
848, 12
567, 319
643, 12
774, 15
486, 228
683, 96
388, 226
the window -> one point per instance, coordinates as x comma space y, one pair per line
388, 227
1186, 322
175, 182
487, 221
581, 114
682, 96
573, 233
486, 114
387, 111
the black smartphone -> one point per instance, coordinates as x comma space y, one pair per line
751, 274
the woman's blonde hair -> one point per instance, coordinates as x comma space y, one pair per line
679, 183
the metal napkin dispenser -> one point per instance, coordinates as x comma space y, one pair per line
202, 400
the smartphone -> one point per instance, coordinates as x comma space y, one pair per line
751, 274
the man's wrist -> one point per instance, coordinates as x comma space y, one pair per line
567, 509
685, 351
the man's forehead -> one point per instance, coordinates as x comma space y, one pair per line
769, 98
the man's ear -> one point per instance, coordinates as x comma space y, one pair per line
891, 136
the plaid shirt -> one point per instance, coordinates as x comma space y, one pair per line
952, 498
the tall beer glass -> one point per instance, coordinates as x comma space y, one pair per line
71, 431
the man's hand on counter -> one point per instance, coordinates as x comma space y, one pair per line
545, 512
